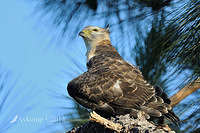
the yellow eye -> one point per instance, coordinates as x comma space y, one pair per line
95, 30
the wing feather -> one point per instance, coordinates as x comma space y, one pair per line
118, 88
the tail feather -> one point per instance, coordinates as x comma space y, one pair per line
162, 94
172, 117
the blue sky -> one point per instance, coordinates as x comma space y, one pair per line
34, 71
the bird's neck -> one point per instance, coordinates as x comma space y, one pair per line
91, 47
103, 53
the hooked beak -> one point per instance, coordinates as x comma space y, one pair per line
85, 33
81, 34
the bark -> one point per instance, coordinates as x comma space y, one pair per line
120, 124
184, 92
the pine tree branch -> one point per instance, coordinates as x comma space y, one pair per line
185, 91
122, 124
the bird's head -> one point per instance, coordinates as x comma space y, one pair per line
93, 35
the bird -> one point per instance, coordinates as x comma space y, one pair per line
112, 86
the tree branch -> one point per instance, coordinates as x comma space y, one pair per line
120, 124
185, 91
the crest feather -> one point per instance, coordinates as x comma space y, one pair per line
108, 28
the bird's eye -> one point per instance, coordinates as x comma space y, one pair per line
95, 30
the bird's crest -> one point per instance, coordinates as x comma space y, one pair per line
108, 28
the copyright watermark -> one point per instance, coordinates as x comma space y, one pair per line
27, 119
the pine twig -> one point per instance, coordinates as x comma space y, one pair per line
185, 91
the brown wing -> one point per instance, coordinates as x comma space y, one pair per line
95, 89
139, 95
136, 91
116, 87
115, 84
